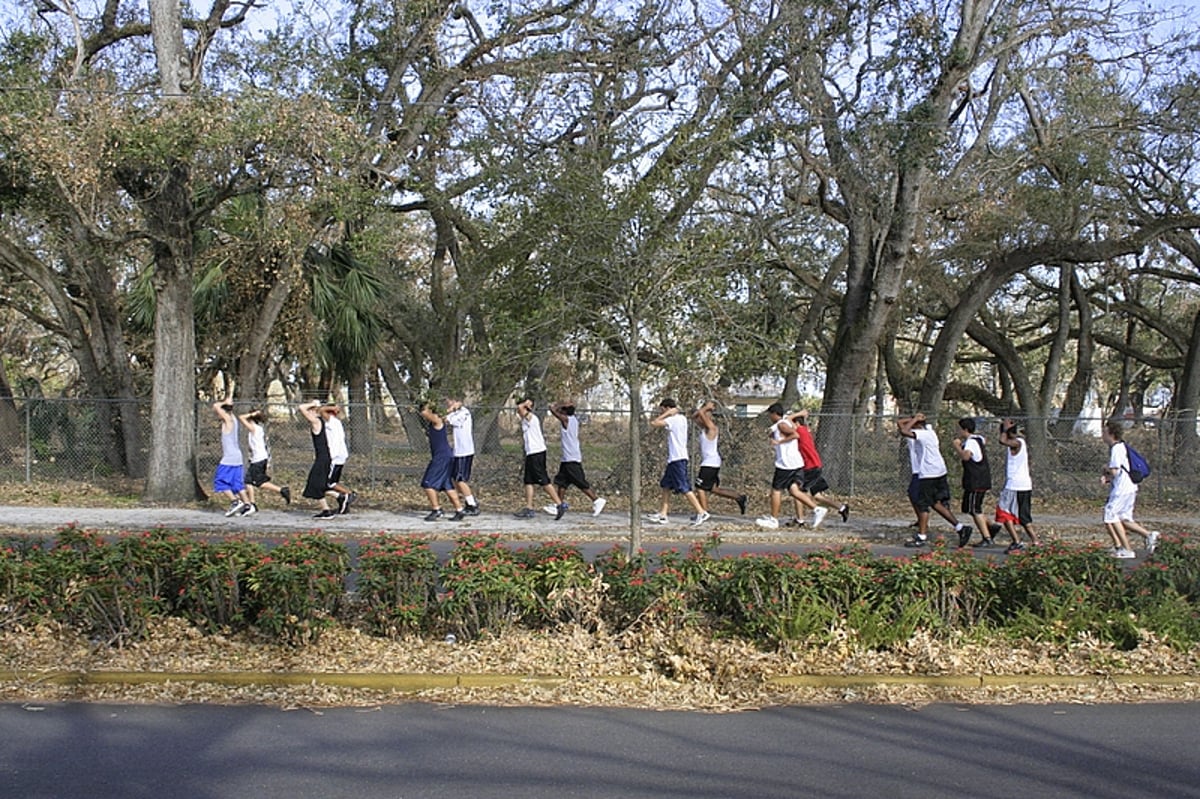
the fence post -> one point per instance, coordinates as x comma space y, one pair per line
853, 448
28, 444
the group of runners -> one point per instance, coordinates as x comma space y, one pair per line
929, 488
238, 483
797, 471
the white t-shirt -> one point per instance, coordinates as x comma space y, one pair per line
531, 431
971, 447
1118, 458
335, 435
930, 462
459, 420
677, 430
787, 454
569, 436
1016, 471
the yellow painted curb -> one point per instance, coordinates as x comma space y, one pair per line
977, 680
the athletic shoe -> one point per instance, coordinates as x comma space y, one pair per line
1015, 546
767, 522
562, 508
1125, 554
598, 506
325, 514
286, 493
794, 522
701, 518
234, 507
344, 501
1151, 541
434, 515
844, 512
525, 513
964, 535
741, 501
984, 544
248, 509
458, 516
471, 510
551, 510
656, 518
819, 515
917, 540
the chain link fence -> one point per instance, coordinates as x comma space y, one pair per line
78, 440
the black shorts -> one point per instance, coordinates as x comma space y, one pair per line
335, 475
708, 478
256, 474
931, 491
784, 479
570, 473
535, 473
814, 481
972, 502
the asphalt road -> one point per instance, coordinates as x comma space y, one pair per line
421, 751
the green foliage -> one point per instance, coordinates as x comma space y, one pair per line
214, 596
298, 587
484, 587
111, 590
397, 584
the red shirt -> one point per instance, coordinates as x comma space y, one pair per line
808, 449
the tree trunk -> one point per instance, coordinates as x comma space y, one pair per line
165, 197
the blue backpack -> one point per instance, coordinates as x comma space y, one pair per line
1139, 469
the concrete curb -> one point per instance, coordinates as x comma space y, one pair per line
413, 683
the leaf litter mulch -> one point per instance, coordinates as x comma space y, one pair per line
681, 668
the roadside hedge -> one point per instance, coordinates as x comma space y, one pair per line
110, 588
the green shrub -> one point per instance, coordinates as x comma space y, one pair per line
214, 596
566, 588
397, 584
298, 587
484, 588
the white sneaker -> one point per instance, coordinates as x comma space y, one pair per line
1151, 541
551, 509
819, 515
1125, 554
598, 506
701, 519
656, 518
767, 522
235, 507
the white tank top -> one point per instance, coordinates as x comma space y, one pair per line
709, 455
1016, 473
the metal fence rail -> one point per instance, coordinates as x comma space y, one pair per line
69, 440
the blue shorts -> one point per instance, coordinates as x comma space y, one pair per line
229, 477
675, 478
437, 475
460, 471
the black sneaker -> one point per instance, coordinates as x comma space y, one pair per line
458, 516
328, 513
434, 515
986, 543
964, 536
344, 501
1015, 546
525, 513
471, 510
286, 493
560, 510
741, 501
248, 509
916, 541
844, 512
